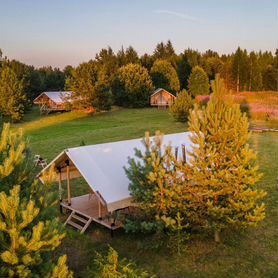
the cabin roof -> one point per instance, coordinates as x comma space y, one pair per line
102, 165
58, 97
161, 89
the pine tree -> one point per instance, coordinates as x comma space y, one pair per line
181, 106
240, 69
155, 181
127, 56
223, 166
178, 234
198, 82
255, 75
27, 238
12, 96
15, 159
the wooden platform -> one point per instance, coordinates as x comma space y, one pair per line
86, 209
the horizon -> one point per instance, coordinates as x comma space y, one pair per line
29, 33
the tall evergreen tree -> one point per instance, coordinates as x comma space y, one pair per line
147, 61
255, 75
240, 70
166, 52
223, 166
186, 62
107, 61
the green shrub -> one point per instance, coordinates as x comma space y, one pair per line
181, 106
110, 266
198, 82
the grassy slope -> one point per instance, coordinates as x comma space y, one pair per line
252, 253
51, 134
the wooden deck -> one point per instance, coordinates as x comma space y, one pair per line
86, 209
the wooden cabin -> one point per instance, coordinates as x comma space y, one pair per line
53, 101
162, 98
101, 166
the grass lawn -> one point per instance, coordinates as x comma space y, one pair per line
51, 134
249, 253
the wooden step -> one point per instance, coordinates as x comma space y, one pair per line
81, 219
77, 226
80, 227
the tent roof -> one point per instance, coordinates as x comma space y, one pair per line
102, 165
161, 89
56, 96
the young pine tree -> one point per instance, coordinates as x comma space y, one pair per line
27, 239
156, 184
111, 266
181, 106
15, 160
223, 166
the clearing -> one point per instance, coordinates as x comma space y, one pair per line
251, 253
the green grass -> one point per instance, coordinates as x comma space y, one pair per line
251, 253
52, 134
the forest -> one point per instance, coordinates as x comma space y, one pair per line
125, 78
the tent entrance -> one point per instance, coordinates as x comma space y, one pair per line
85, 209
88, 206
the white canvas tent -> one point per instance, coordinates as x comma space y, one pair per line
57, 97
53, 101
102, 167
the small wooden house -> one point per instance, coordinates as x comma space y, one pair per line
53, 101
162, 98
101, 166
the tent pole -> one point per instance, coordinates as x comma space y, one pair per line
68, 182
176, 152
60, 188
183, 153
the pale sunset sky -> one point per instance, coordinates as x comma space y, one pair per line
62, 32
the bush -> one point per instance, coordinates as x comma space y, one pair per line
181, 106
202, 100
245, 108
110, 266
198, 82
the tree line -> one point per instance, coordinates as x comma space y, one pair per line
124, 78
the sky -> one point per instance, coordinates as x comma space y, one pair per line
63, 32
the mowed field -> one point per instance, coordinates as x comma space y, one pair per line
51, 134
249, 253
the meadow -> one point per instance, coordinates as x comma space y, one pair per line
261, 107
249, 253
